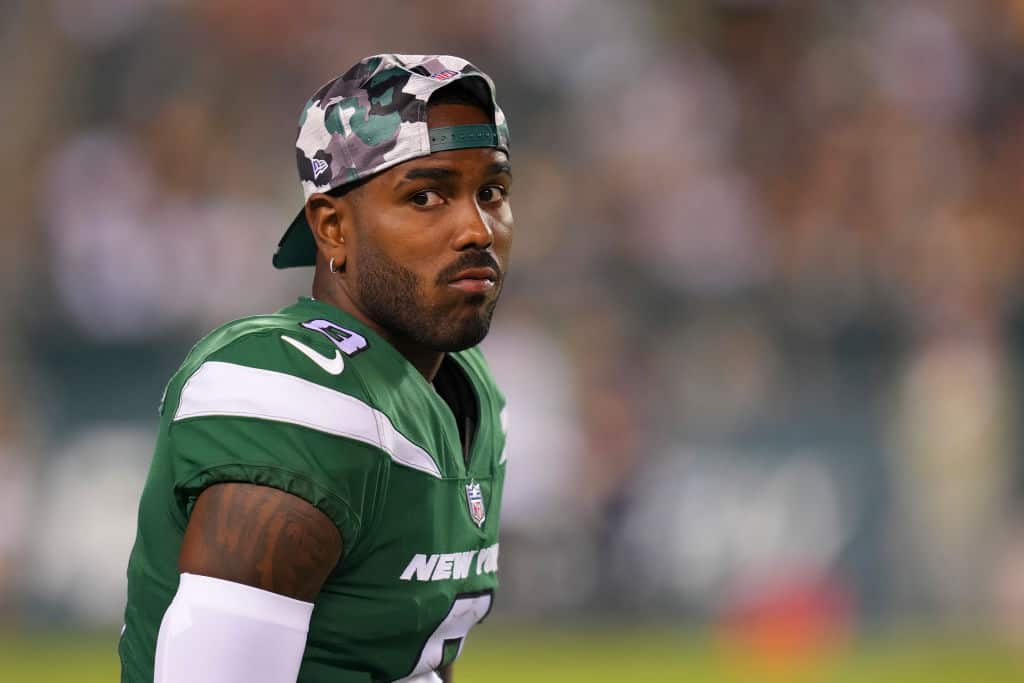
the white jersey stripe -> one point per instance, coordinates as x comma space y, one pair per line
504, 430
219, 388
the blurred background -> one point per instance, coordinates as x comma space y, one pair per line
762, 340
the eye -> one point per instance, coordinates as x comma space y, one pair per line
492, 194
426, 198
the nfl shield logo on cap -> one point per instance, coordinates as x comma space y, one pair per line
475, 498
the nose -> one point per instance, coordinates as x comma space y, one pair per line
473, 227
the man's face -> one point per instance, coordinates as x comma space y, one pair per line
431, 241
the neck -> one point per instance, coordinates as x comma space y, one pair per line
327, 288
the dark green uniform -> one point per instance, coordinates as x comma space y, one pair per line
310, 401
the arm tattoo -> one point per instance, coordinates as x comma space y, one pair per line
261, 537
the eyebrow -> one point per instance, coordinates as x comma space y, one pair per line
430, 174
499, 167
441, 174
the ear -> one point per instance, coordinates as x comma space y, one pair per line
330, 220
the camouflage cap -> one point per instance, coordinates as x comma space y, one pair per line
373, 117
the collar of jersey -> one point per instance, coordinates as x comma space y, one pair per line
345, 319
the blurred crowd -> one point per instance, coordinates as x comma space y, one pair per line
763, 334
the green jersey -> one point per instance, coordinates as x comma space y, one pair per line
312, 402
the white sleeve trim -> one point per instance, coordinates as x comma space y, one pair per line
217, 631
247, 601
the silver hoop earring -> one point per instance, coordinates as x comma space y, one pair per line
331, 265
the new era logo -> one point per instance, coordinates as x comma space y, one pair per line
444, 75
319, 166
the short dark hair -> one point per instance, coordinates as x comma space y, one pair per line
343, 190
466, 92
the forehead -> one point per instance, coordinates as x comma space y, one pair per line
469, 162
474, 162
451, 114
471, 159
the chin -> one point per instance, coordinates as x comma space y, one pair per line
465, 333
465, 338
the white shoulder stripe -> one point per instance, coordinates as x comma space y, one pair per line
219, 388
504, 430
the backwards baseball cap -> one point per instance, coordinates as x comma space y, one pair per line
373, 117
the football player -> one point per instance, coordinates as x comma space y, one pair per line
322, 504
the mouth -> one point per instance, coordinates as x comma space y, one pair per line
475, 280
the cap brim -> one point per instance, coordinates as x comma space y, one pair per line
297, 247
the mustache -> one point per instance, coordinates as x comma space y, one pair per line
470, 259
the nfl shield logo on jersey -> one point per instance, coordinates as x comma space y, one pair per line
476, 503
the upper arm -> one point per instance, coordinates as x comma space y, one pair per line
261, 537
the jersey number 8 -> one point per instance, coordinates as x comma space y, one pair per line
445, 643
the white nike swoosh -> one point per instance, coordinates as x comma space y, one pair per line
333, 366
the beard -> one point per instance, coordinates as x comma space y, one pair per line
392, 297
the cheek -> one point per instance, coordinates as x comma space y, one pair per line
390, 239
503, 235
